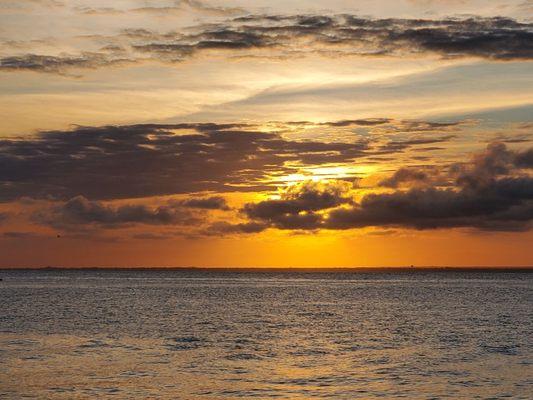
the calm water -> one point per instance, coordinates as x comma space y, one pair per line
235, 335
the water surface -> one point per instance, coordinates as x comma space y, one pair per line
187, 334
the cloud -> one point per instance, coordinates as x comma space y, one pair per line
208, 203
524, 159
484, 167
21, 235
79, 212
493, 192
118, 162
297, 207
505, 205
493, 38
23, 4
223, 228
405, 175
288, 36
178, 7
59, 64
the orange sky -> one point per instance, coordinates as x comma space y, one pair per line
232, 133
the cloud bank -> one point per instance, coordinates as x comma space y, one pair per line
287, 36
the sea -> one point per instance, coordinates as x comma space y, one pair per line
266, 334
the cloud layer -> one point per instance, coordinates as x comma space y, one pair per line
493, 192
115, 162
296, 35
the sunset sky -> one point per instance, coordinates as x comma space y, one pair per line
266, 133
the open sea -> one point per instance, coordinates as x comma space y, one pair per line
205, 334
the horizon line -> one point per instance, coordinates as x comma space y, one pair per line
274, 268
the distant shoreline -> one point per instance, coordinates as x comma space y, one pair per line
281, 269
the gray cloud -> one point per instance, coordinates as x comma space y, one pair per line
208, 203
493, 193
405, 175
59, 64
296, 209
178, 7
79, 213
493, 38
287, 35
115, 162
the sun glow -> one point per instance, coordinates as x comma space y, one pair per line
321, 173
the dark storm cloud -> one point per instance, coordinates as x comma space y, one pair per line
492, 192
115, 162
287, 35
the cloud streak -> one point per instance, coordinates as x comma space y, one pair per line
497, 38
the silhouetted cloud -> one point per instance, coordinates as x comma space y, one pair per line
506, 204
492, 193
114, 162
59, 64
225, 228
494, 38
524, 159
21, 235
79, 212
293, 35
404, 175
297, 207
207, 203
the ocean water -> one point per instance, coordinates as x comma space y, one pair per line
186, 334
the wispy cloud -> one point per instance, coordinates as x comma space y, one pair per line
497, 38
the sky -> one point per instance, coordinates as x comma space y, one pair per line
235, 133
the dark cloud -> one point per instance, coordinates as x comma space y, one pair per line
524, 159
358, 122
493, 38
399, 146
297, 207
492, 193
503, 205
79, 212
225, 228
496, 160
21, 235
59, 64
116, 162
405, 175
293, 35
208, 203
